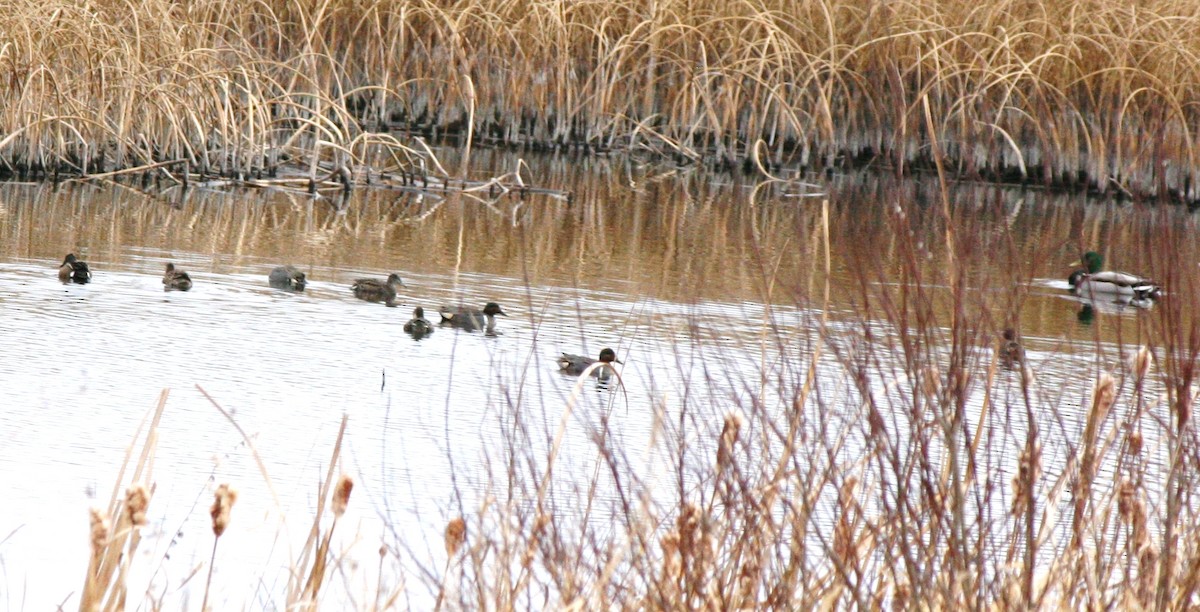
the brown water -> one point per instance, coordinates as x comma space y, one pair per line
679, 271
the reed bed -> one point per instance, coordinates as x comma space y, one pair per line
1096, 95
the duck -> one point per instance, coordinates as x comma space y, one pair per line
1092, 281
1011, 353
471, 319
73, 270
175, 279
419, 326
576, 364
287, 277
372, 290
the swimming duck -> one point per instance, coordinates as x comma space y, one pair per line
1011, 353
576, 364
73, 270
419, 326
1092, 281
287, 277
472, 319
176, 279
372, 290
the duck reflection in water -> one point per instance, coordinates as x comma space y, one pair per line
1110, 305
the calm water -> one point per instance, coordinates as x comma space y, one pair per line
711, 293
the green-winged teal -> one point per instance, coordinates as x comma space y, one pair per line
471, 319
372, 290
175, 279
73, 270
1093, 281
576, 364
1011, 353
287, 277
419, 326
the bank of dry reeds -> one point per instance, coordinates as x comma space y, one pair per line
1097, 94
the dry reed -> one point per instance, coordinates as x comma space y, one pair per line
1094, 97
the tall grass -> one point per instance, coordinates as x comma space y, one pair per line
1093, 95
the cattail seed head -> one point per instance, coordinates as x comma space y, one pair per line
137, 498
223, 501
687, 524
1140, 364
456, 535
1135, 443
1126, 496
734, 421
341, 494
1103, 397
99, 529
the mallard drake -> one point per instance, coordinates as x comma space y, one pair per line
471, 319
372, 290
1093, 281
73, 270
287, 277
174, 279
1011, 353
576, 364
419, 326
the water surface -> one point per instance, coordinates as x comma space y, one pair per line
713, 293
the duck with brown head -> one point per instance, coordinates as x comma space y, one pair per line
373, 290
419, 326
74, 271
175, 279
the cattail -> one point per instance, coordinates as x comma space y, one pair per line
456, 535
1029, 469
341, 495
686, 525
137, 498
100, 526
1103, 397
1140, 364
1135, 443
1126, 496
729, 435
1147, 571
223, 501
671, 564
900, 596
1183, 410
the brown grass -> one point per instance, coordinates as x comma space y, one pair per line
1096, 94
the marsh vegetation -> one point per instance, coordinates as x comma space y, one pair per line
1094, 96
